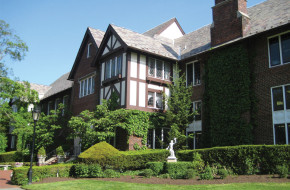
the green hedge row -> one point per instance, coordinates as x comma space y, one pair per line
262, 158
15, 156
20, 175
129, 159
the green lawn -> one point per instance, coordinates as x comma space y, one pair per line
93, 184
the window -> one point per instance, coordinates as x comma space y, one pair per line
279, 49
197, 110
193, 73
89, 50
281, 106
50, 107
155, 100
57, 102
87, 86
113, 67
159, 69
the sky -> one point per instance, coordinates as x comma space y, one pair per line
53, 29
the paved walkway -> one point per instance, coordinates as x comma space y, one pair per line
5, 182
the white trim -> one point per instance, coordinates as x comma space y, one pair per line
193, 73
155, 69
88, 50
280, 49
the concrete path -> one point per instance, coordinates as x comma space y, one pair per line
5, 183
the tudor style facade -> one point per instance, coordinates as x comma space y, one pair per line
137, 67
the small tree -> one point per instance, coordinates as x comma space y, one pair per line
179, 114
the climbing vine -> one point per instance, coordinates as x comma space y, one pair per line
227, 98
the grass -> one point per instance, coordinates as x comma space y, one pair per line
94, 184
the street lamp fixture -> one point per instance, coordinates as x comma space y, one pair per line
35, 115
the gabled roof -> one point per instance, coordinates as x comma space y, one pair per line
97, 36
160, 28
61, 84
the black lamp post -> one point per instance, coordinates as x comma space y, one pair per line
35, 115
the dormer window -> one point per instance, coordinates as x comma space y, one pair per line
113, 67
89, 50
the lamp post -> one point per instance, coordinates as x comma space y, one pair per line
35, 115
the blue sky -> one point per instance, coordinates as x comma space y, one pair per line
54, 29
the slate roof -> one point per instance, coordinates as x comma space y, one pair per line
97, 35
41, 89
61, 84
146, 43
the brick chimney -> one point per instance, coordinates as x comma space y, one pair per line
230, 21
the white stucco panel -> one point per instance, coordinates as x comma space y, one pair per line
123, 96
117, 85
106, 50
103, 72
155, 87
133, 65
142, 94
172, 32
117, 44
101, 95
106, 90
142, 70
124, 65
167, 93
109, 42
133, 93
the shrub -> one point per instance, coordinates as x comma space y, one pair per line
197, 162
177, 170
41, 151
3, 142
81, 170
148, 173
190, 174
95, 170
59, 151
223, 173
262, 158
164, 176
20, 175
8, 156
136, 146
282, 171
156, 167
110, 173
207, 174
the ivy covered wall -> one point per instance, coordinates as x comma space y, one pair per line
227, 98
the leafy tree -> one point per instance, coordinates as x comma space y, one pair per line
3, 142
179, 114
10, 45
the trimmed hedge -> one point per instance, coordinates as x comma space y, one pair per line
20, 175
178, 170
130, 159
156, 167
14, 156
243, 159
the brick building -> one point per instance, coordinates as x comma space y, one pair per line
137, 66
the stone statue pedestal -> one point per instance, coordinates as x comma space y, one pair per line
171, 159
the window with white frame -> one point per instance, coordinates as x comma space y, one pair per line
193, 73
280, 110
279, 49
159, 69
89, 50
113, 67
87, 86
155, 100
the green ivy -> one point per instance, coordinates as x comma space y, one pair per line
227, 98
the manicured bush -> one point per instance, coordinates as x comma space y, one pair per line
15, 156
190, 174
177, 170
81, 170
7, 156
282, 171
223, 173
20, 175
197, 162
148, 173
59, 151
156, 167
110, 173
243, 159
95, 170
41, 152
207, 174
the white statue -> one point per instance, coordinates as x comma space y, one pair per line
170, 147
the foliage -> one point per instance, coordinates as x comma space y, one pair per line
243, 159
41, 151
223, 173
15, 156
3, 142
110, 173
177, 170
20, 175
197, 162
282, 171
207, 174
95, 170
59, 151
190, 174
81, 170
7, 156
179, 114
156, 167
148, 173
227, 99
